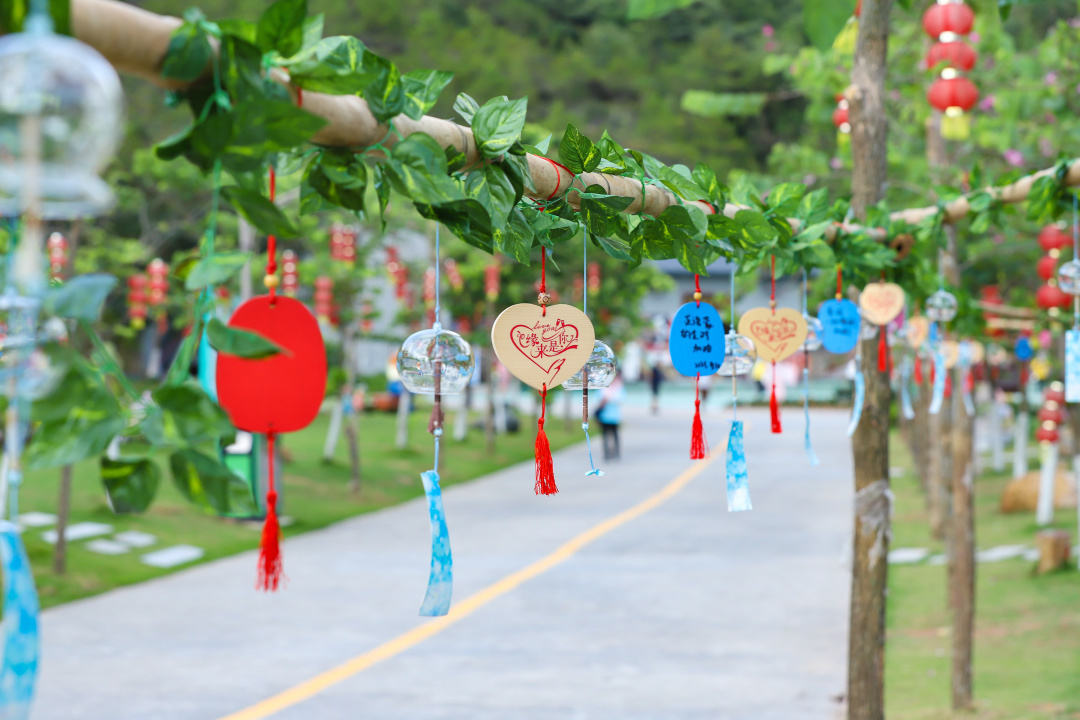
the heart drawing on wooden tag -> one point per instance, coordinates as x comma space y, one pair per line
542, 348
881, 302
776, 335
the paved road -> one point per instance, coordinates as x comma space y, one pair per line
684, 613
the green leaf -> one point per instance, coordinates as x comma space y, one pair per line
260, 212
418, 170
241, 343
13, 14
756, 229
334, 65
205, 480
338, 176
466, 107
385, 94
188, 54
680, 184
645, 9
784, 198
215, 269
80, 298
281, 27
187, 416
268, 126
83, 434
823, 20
422, 90
130, 483
599, 210
578, 152
490, 186
712, 104
466, 218
498, 125
246, 31
516, 238
814, 207
705, 178
313, 30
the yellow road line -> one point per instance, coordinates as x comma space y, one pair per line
463, 609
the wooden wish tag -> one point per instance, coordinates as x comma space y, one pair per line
918, 330
542, 349
881, 302
776, 334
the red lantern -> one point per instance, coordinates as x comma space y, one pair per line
956, 54
953, 17
956, 92
1050, 296
1048, 414
159, 281
840, 115
453, 274
1047, 435
343, 243
1052, 237
1046, 267
594, 277
1055, 394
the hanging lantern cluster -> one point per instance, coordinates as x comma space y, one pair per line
57, 246
947, 22
290, 276
1050, 414
429, 295
343, 243
594, 278
136, 300
453, 274
1050, 296
491, 281
159, 288
367, 314
324, 298
399, 273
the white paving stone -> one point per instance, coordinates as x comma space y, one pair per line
172, 556
78, 531
36, 519
135, 538
908, 556
1001, 552
105, 546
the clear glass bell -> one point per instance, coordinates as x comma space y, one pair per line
941, 306
739, 355
435, 361
1069, 277
814, 329
601, 366
23, 366
61, 118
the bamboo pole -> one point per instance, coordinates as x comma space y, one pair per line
135, 41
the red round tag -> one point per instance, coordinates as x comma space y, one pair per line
277, 394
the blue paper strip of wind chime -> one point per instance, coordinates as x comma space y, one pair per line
812, 342
436, 362
965, 355
1069, 282
695, 346
937, 395
739, 357
905, 390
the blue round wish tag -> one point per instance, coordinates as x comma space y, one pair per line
696, 342
840, 321
1023, 349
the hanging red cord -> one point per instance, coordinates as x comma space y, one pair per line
918, 371
270, 566
839, 282
271, 279
697, 289
774, 406
699, 448
543, 282
545, 471
882, 350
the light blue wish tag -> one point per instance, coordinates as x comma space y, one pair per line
1023, 349
696, 342
840, 321
20, 627
1072, 366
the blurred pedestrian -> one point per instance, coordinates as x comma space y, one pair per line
609, 413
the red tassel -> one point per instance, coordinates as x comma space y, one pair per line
918, 371
545, 472
699, 449
270, 567
882, 352
948, 385
774, 407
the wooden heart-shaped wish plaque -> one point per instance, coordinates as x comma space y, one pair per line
776, 334
542, 348
918, 330
881, 302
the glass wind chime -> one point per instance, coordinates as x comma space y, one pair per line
61, 115
739, 358
941, 308
599, 370
436, 362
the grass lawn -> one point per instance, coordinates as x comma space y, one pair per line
1027, 627
316, 494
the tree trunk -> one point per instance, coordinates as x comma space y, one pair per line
870, 445
63, 509
962, 547
920, 434
940, 478
352, 436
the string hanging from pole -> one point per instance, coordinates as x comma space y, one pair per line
774, 406
699, 447
810, 454
593, 470
737, 484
